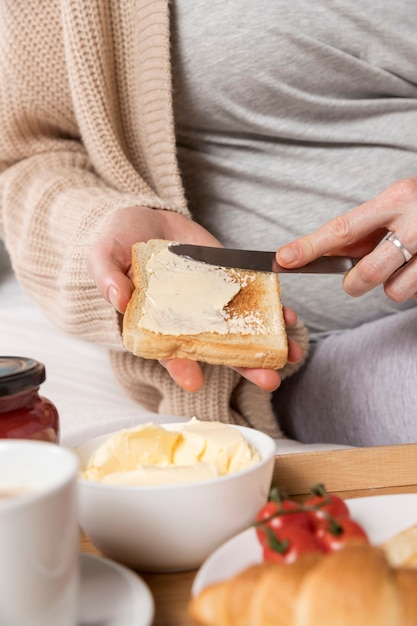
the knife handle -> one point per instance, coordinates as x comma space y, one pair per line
322, 265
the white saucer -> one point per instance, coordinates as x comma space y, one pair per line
112, 595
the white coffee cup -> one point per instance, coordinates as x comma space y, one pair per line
39, 536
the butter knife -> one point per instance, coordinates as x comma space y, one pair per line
260, 261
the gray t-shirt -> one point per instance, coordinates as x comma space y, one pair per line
289, 113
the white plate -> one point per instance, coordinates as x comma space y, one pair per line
380, 516
112, 595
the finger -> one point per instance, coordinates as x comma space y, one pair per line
290, 316
402, 285
119, 291
189, 376
392, 210
374, 269
359, 249
295, 352
337, 234
114, 286
109, 269
266, 379
186, 373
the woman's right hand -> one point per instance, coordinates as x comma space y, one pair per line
360, 232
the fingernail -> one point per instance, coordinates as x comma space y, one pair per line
114, 297
288, 254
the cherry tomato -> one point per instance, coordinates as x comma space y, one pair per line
289, 544
325, 504
278, 515
334, 534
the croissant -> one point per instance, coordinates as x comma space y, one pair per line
353, 587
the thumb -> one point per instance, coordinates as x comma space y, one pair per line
110, 276
119, 291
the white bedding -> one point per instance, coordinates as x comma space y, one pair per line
80, 381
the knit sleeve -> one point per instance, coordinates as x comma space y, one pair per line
62, 174
52, 209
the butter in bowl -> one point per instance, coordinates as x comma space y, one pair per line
163, 497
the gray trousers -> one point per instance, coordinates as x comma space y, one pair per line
357, 388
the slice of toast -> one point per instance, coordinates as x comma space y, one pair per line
182, 308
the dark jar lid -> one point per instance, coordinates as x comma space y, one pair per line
19, 373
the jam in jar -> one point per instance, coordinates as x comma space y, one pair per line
24, 414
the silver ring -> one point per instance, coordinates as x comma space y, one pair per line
406, 253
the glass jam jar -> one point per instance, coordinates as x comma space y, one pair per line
24, 414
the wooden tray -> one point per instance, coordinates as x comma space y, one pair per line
349, 472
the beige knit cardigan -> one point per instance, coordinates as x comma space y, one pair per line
86, 127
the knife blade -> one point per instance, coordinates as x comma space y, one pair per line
260, 261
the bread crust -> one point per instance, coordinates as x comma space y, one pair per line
259, 291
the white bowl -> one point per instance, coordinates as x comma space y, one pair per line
173, 527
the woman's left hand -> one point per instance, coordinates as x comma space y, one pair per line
358, 233
109, 265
